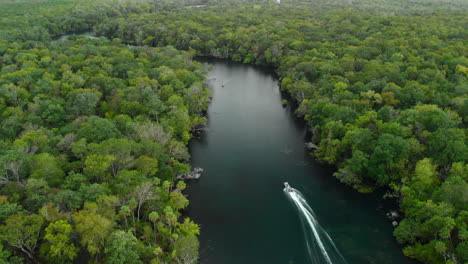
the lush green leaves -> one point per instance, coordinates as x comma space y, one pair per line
122, 248
60, 248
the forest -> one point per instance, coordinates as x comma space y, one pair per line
94, 131
93, 134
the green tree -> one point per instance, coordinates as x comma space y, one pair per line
120, 150
7, 209
32, 142
388, 157
83, 101
61, 249
54, 115
425, 179
97, 167
448, 145
14, 164
121, 248
45, 166
98, 129
93, 229
186, 250
147, 166
22, 231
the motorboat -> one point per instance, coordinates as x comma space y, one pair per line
287, 187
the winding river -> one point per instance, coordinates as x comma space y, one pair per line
253, 145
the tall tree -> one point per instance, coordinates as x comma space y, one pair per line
121, 248
60, 248
93, 229
22, 232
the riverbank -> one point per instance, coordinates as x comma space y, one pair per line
240, 198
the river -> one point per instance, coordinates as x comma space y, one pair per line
253, 145
88, 33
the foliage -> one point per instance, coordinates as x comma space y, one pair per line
122, 248
60, 248
382, 85
94, 137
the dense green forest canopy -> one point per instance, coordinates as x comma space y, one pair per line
92, 135
87, 123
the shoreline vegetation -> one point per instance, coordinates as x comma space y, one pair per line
93, 131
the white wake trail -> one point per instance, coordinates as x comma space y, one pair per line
311, 222
328, 251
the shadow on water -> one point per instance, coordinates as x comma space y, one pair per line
252, 146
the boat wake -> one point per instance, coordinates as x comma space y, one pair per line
319, 245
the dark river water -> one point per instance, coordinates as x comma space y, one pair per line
253, 145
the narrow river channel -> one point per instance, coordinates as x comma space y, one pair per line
253, 145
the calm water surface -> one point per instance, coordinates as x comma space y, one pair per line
254, 144
88, 33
